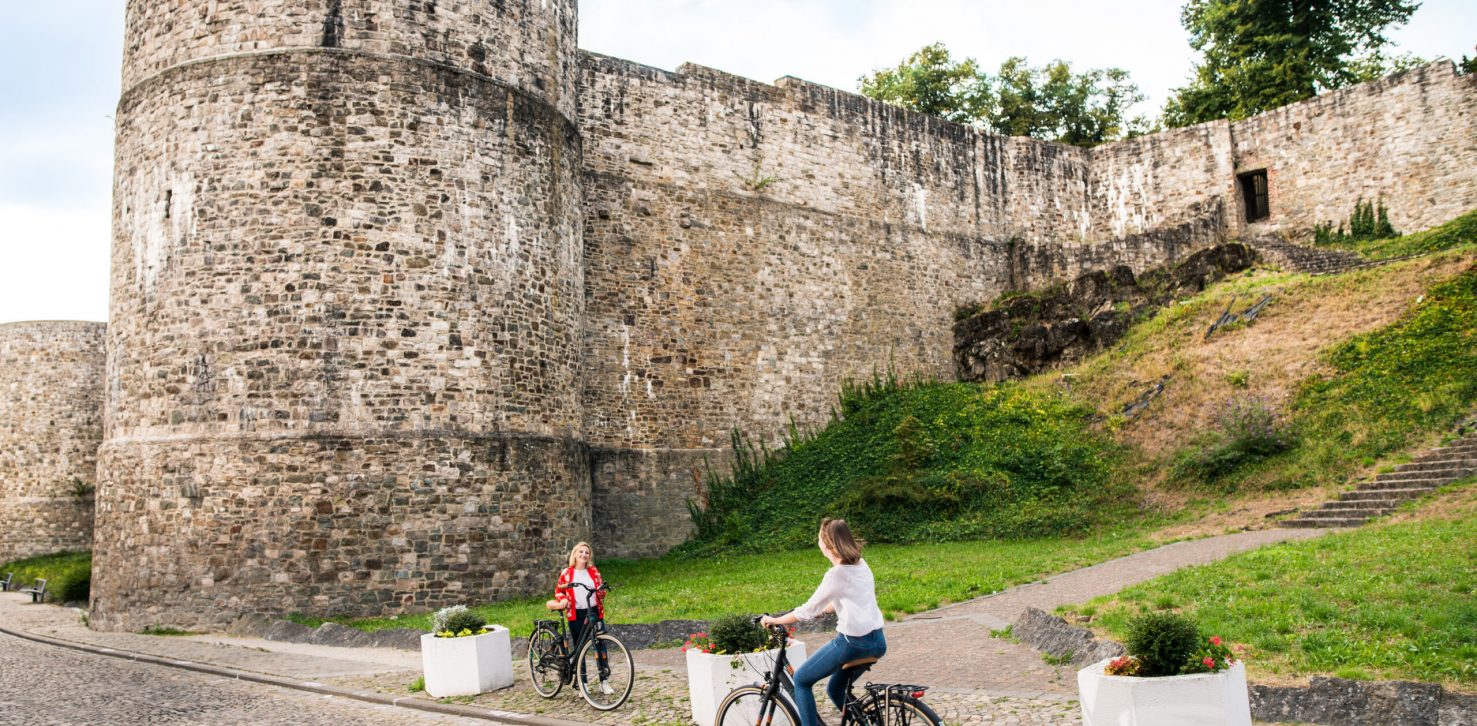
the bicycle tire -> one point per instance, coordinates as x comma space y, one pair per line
619, 675
901, 711
745, 706
545, 662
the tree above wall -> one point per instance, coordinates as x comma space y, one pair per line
1048, 102
1258, 55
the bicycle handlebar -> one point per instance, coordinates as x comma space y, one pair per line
604, 586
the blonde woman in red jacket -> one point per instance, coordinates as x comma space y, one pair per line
576, 602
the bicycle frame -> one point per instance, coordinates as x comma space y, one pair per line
779, 683
594, 626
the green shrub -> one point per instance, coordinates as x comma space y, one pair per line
457, 620
911, 462
737, 634
1244, 430
1455, 233
68, 575
1162, 642
1370, 221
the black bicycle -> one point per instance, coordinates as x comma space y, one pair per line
771, 703
553, 662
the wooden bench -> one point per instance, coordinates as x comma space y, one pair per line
37, 591
5, 584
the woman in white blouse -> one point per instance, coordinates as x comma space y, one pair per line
849, 591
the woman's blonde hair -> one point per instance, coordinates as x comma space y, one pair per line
837, 537
578, 545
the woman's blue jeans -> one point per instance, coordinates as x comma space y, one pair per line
827, 662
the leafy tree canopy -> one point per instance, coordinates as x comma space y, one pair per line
1048, 102
1262, 54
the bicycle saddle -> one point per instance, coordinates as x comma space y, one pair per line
854, 668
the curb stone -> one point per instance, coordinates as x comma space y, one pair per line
410, 702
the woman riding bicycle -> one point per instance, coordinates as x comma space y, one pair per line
848, 590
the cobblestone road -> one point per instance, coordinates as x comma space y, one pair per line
43, 684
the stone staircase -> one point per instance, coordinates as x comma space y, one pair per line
1312, 260
1386, 491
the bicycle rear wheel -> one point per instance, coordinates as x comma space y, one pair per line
746, 706
605, 679
900, 711
545, 661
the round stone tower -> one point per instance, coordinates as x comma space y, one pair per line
346, 300
51, 422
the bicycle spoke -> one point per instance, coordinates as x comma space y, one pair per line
747, 707
605, 672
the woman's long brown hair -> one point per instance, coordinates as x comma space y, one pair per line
839, 541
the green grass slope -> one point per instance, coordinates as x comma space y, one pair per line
923, 462
1390, 601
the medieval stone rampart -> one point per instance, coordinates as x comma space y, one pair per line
1409, 140
347, 301
51, 422
751, 246
408, 297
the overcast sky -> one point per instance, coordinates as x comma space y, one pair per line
59, 68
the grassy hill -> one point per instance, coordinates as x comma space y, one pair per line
1337, 373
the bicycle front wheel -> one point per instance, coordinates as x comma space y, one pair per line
545, 661
901, 711
746, 706
606, 672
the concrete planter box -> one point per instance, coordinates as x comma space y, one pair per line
467, 666
711, 677
1205, 699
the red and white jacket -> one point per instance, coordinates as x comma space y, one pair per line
563, 590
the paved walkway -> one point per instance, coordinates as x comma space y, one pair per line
974, 678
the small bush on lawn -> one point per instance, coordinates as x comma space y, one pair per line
1244, 430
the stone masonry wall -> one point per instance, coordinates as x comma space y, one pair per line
51, 422
347, 302
749, 247
1409, 140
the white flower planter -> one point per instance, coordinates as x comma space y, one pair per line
467, 666
711, 677
1201, 698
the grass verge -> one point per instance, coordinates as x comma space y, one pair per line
1389, 601
68, 575
910, 578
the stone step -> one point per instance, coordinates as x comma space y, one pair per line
1322, 523
1409, 481
1449, 464
1359, 504
1397, 495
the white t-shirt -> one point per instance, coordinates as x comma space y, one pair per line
854, 593
583, 599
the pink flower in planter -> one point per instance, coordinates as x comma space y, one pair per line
1215, 640
1209, 662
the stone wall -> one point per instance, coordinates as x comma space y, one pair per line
749, 247
347, 298
1409, 140
51, 422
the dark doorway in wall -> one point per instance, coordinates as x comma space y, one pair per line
1254, 193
